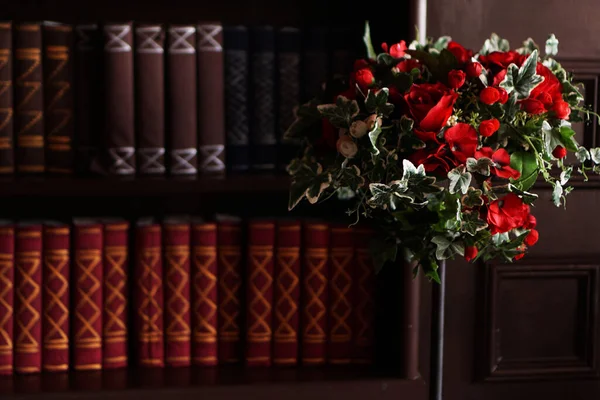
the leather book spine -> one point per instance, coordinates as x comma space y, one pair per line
176, 242
87, 295
55, 297
341, 272
119, 128
315, 61
204, 294
149, 295
288, 42
29, 98
263, 138
115, 295
259, 293
314, 286
7, 156
236, 40
28, 298
286, 293
211, 98
182, 100
58, 97
364, 300
229, 238
7, 298
88, 94
150, 98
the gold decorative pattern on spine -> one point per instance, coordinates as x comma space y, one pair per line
6, 309
86, 261
32, 59
58, 59
205, 331
364, 307
341, 307
149, 284
285, 305
259, 307
177, 278
315, 310
229, 257
115, 302
28, 290
56, 262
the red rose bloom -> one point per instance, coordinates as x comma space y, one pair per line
489, 95
470, 252
462, 140
397, 50
531, 222
488, 127
456, 78
533, 106
559, 152
462, 55
503, 95
502, 59
430, 105
561, 109
408, 65
434, 160
550, 85
507, 213
501, 159
532, 238
474, 69
364, 78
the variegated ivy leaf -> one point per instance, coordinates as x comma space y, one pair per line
595, 155
551, 45
528, 47
306, 115
368, 42
494, 43
500, 238
345, 193
481, 165
524, 79
473, 198
378, 104
309, 181
374, 136
409, 170
557, 193
441, 43
558, 136
317, 188
460, 179
447, 248
583, 154
341, 113
471, 223
565, 175
384, 196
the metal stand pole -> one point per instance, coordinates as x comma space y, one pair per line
437, 335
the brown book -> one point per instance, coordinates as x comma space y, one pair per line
7, 160
29, 98
119, 99
58, 96
182, 100
150, 102
211, 100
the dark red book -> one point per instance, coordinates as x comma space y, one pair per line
115, 294
364, 302
7, 291
286, 293
176, 245
28, 298
315, 294
55, 297
87, 294
341, 271
229, 231
148, 301
259, 294
7, 157
204, 293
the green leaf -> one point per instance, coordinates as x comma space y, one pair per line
481, 165
471, 223
368, 43
565, 175
526, 163
460, 179
473, 198
377, 103
557, 193
595, 155
511, 107
387, 59
374, 137
566, 135
430, 270
442, 43
524, 79
297, 192
341, 113
409, 170
447, 248
551, 46
345, 193
494, 43
583, 154
382, 251
308, 180
306, 116
528, 47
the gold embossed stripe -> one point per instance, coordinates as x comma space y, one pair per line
229, 260
6, 309
28, 290
285, 305
260, 329
55, 263
316, 259
204, 257
115, 302
149, 283
177, 278
86, 261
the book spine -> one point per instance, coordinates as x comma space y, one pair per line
288, 92
115, 294
28, 299
119, 99
7, 299
237, 117
55, 298
182, 100
211, 101
364, 302
58, 98
286, 293
87, 296
262, 88
149, 296
29, 98
259, 300
204, 294
230, 290
88, 94
150, 102
7, 157
315, 62
176, 239
314, 286
341, 272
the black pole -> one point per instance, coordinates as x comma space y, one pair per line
437, 334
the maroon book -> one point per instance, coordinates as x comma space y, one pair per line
7, 158
7, 292
364, 302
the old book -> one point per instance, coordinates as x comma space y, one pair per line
7, 296
364, 301
150, 98
7, 157
182, 100
315, 61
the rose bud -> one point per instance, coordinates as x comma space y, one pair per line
488, 127
489, 95
559, 152
531, 222
503, 95
533, 106
371, 120
532, 237
470, 252
358, 129
456, 78
364, 77
474, 69
398, 50
561, 109
346, 146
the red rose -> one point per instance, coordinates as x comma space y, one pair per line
364, 78
408, 65
503, 95
394, 96
502, 59
474, 69
360, 64
519, 256
531, 222
398, 50
532, 237
329, 136
561, 109
559, 152
462, 55
434, 160
507, 213
533, 106
488, 127
550, 85
489, 95
470, 252
456, 78
430, 105
462, 140
501, 159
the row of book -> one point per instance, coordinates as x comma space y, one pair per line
129, 98
104, 294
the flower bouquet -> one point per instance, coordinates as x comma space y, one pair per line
439, 146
